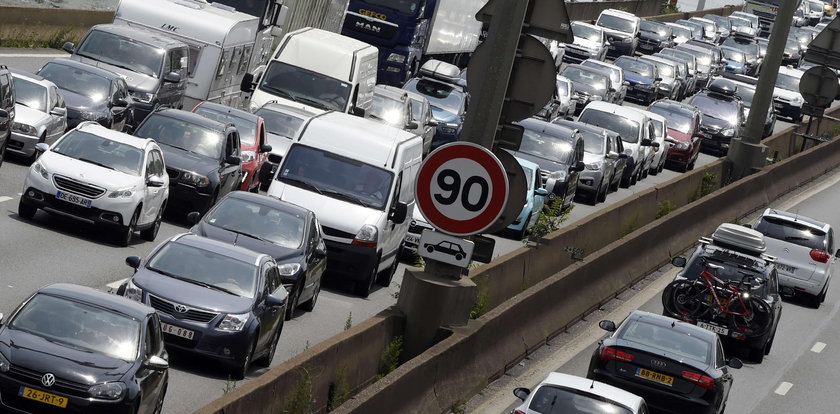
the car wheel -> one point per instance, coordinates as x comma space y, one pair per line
602, 196
384, 279
151, 233
159, 404
363, 287
124, 235
309, 305
634, 178
292, 302
265, 361
769, 344
614, 185
661, 166
593, 198
813, 301
239, 371
25, 210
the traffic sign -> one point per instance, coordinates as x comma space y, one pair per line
818, 86
461, 188
444, 248
825, 48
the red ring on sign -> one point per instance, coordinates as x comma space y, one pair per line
497, 199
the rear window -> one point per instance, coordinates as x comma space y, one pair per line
791, 232
551, 399
668, 340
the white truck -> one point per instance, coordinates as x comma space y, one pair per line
224, 43
316, 70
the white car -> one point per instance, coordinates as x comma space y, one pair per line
660, 153
787, 101
590, 42
804, 251
563, 393
100, 176
41, 114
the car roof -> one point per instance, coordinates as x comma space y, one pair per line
580, 126
547, 128
390, 92
31, 77
612, 108
269, 201
590, 25
219, 248
816, 224
226, 109
288, 109
589, 386
191, 117
92, 127
677, 325
139, 34
621, 13
85, 67
604, 64
93, 296
676, 106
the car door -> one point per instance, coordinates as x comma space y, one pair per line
119, 110
720, 364
151, 381
269, 316
315, 265
57, 124
155, 196
230, 174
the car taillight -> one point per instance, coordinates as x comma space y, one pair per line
612, 353
519, 412
820, 255
699, 379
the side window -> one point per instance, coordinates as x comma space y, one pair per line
246, 57
651, 131
234, 60
6, 96
312, 243
153, 336
720, 360
120, 90
175, 57
157, 163
150, 164
223, 63
59, 99
194, 52
405, 187
53, 97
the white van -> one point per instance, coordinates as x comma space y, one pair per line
358, 177
317, 70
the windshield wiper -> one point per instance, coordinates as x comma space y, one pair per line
796, 238
301, 183
312, 102
281, 92
175, 146
188, 280
348, 197
97, 163
245, 234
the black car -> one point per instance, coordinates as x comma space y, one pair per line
723, 115
288, 233
675, 366
7, 109
75, 349
654, 36
214, 299
559, 152
590, 84
202, 157
91, 93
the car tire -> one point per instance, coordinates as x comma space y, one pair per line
813, 301
384, 279
602, 196
241, 370
292, 302
756, 354
3, 147
309, 305
266, 359
769, 344
364, 287
25, 210
593, 198
634, 178
151, 233
124, 235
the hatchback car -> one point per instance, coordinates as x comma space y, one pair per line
604, 158
7, 109
622, 31
804, 251
735, 60
100, 176
695, 68
616, 76
282, 124
675, 366
590, 84
202, 156
252, 138
75, 349
684, 128
563, 393
535, 197
288, 233
643, 77
41, 114
225, 302
91, 93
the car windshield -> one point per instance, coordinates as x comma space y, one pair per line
387, 110
182, 135
626, 128
402, 6
651, 26
592, 78
258, 220
553, 399
616, 23
791, 232
79, 325
677, 120
593, 142
280, 123
696, 29
665, 338
247, 127
720, 21
586, 32
716, 108
77, 81
734, 55
681, 32
122, 52
632, 65
205, 268
305, 86
704, 59
545, 146
100, 151
335, 176
749, 49
787, 82
30, 94
440, 95
664, 70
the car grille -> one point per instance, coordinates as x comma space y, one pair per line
173, 174
34, 378
329, 231
649, 41
77, 187
167, 307
577, 52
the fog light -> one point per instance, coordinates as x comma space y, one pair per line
31, 193
226, 351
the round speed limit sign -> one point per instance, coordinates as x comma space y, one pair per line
462, 188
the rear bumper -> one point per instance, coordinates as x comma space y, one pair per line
813, 286
655, 398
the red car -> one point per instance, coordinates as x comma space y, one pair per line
251, 136
684, 127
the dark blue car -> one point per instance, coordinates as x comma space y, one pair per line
642, 76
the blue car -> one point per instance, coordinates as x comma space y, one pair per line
440, 83
735, 60
643, 78
534, 200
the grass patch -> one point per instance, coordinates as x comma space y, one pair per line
33, 39
665, 207
551, 218
301, 400
480, 304
339, 390
390, 359
707, 184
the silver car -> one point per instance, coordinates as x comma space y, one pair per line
421, 112
804, 250
41, 114
616, 77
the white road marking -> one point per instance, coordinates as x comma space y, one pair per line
33, 55
4, 198
783, 388
818, 347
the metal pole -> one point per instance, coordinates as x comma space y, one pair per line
746, 153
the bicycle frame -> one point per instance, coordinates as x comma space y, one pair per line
712, 281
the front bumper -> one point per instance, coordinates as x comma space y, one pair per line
227, 346
618, 48
189, 198
22, 144
787, 109
78, 400
350, 262
715, 142
578, 54
589, 182
679, 156
636, 92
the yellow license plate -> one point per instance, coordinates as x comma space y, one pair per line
655, 376
43, 397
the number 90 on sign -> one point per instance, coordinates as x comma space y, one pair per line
458, 196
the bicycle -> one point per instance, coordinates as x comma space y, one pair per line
709, 297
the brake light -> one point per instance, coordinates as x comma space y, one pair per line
699, 379
615, 354
820, 255
518, 412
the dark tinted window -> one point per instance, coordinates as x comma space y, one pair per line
261, 221
792, 232
184, 135
626, 128
123, 52
632, 65
550, 399
279, 123
202, 266
617, 23
247, 127
667, 339
77, 81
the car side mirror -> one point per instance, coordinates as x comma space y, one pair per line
172, 77
42, 147
58, 111
398, 213
154, 181
678, 261
68, 47
647, 142
233, 160
654, 144
412, 125
579, 166
120, 102
623, 155
157, 363
612, 155
247, 85
433, 123
276, 298
275, 158
608, 326
265, 148
734, 363
541, 192
658, 80
320, 252
193, 217
521, 393
133, 262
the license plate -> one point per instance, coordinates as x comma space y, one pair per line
412, 239
43, 397
786, 268
176, 330
655, 376
777, 105
73, 199
714, 328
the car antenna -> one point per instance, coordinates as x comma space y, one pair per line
673, 323
591, 386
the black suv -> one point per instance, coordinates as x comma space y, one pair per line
723, 115
202, 157
735, 256
7, 109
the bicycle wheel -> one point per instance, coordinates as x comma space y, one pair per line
688, 299
757, 316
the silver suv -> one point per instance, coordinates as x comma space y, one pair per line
804, 249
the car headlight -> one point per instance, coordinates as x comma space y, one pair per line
595, 166
24, 128
38, 168
644, 86
728, 132
122, 193
107, 390
133, 292
627, 40
396, 58
143, 97
797, 99
5, 365
288, 269
233, 322
682, 145
558, 175
366, 236
448, 128
195, 179
92, 116
248, 156
597, 98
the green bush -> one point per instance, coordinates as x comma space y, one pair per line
390, 359
665, 207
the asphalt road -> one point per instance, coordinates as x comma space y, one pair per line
55, 249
